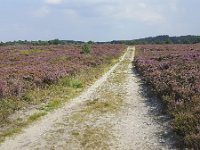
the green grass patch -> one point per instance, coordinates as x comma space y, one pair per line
36, 116
18, 125
93, 137
120, 73
52, 105
71, 82
109, 102
9, 133
9, 106
31, 51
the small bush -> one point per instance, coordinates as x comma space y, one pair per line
85, 49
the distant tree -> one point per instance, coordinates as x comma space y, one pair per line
1, 43
55, 42
163, 39
91, 42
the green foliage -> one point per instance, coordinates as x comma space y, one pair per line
185, 123
53, 104
1, 43
85, 49
40, 42
55, 42
163, 39
9, 133
91, 42
36, 116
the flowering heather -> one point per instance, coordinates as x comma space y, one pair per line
24, 67
174, 73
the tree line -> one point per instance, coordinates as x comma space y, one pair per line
162, 39
40, 42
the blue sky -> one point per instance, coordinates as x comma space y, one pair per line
97, 20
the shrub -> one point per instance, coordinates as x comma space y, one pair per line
85, 49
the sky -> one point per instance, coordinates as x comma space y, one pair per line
97, 20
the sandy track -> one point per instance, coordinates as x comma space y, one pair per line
123, 123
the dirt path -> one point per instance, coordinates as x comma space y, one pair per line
111, 114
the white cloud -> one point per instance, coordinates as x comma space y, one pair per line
173, 5
142, 5
132, 11
53, 2
70, 13
150, 17
42, 12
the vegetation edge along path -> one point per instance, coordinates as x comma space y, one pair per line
54, 96
37, 129
111, 114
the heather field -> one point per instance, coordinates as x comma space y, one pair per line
174, 73
25, 67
